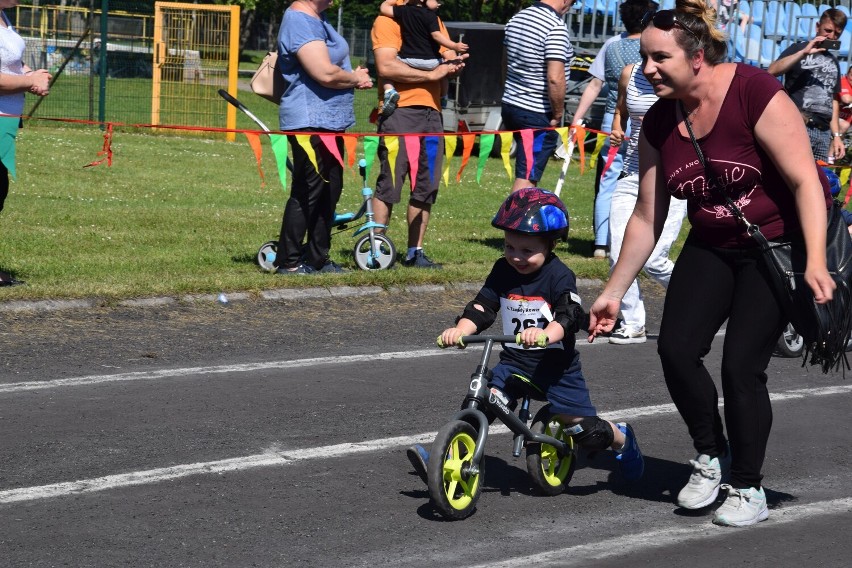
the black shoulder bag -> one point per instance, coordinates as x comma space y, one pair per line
825, 328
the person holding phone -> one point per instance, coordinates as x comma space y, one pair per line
812, 78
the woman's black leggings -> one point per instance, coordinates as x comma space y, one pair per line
309, 211
708, 286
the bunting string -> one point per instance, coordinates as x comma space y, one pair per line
370, 143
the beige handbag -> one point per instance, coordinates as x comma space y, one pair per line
267, 81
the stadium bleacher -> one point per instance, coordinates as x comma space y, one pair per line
772, 26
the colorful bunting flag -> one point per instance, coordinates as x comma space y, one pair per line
412, 152
486, 143
279, 148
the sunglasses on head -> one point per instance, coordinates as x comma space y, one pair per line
666, 20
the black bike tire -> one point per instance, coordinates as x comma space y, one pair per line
551, 479
454, 499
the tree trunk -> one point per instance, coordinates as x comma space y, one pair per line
246, 23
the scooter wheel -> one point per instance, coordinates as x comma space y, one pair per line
790, 344
266, 255
385, 253
453, 488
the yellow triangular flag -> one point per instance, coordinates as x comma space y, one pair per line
505, 147
450, 141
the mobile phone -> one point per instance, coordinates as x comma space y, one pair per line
832, 44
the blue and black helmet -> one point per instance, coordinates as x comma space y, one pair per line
833, 181
533, 211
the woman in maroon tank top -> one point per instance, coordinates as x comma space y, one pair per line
755, 143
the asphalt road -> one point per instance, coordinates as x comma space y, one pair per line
272, 433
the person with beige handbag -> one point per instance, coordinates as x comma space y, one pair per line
313, 61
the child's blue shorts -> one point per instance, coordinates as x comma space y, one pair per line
567, 392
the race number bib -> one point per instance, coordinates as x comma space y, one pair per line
521, 312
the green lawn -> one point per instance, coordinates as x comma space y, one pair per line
177, 215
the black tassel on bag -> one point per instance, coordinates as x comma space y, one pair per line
825, 328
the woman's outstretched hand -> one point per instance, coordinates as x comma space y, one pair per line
602, 315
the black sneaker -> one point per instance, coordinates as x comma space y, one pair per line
330, 267
420, 260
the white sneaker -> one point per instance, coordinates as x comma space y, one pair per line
626, 334
703, 486
742, 508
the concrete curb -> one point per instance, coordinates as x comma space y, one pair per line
272, 295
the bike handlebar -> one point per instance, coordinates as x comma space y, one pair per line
465, 339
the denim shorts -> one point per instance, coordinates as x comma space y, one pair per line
544, 141
566, 391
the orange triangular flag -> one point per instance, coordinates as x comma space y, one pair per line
467, 148
254, 141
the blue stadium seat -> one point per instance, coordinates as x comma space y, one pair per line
607, 7
843, 9
807, 21
667, 4
774, 22
758, 12
752, 48
794, 14
845, 43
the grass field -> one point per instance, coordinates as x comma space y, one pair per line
178, 215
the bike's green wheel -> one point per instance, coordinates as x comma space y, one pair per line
548, 471
453, 489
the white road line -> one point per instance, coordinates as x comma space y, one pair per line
632, 544
196, 371
241, 368
276, 457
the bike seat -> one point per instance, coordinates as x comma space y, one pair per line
519, 385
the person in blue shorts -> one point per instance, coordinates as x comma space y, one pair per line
533, 293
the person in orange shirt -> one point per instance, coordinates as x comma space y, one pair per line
418, 112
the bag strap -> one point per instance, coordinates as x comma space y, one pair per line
752, 229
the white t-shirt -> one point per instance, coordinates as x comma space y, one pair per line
11, 63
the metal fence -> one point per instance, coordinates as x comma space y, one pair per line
68, 41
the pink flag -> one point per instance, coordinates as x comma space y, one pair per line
610, 157
527, 140
330, 142
412, 151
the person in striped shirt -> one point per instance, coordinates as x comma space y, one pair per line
538, 61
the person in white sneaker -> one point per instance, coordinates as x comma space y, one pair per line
635, 96
757, 153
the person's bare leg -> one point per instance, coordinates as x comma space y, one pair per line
381, 212
418, 221
521, 183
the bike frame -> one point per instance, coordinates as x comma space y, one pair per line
479, 395
342, 219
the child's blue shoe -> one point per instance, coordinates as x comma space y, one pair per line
419, 457
389, 102
630, 460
